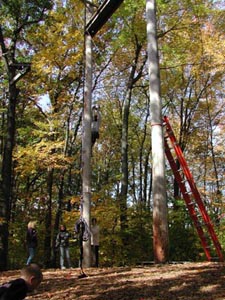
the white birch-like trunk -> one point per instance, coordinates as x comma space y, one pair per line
160, 222
86, 142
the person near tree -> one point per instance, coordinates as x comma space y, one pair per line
31, 240
95, 124
62, 242
17, 289
95, 230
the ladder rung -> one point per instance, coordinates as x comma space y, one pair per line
191, 203
170, 148
199, 216
178, 170
208, 247
188, 192
184, 180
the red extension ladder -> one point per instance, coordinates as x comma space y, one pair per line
191, 195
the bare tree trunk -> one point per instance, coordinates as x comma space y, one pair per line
57, 221
86, 141
160, 222
7, 176
124, 163
147, 185
15, 72
143, 163
7, 160
48, 220
124, 136
219, 194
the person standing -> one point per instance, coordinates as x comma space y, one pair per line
95, 124
31, 240
62, 241
95, 230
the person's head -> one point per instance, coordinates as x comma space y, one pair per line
31, 224
62, 227
32, 275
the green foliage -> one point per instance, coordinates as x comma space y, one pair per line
183, 238
17, 244
139, 236
130, 247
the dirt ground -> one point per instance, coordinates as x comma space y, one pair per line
189, 281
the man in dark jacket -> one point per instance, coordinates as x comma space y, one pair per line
31, 277
62, 241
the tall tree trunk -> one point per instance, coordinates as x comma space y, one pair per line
147, 185
143, 162
219, 195
124, 137
15, 71
6, 171
57, 220
86, 141
48, 220
124, 163
7, 175
160, 222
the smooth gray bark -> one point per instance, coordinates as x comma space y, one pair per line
160, 222
86, 142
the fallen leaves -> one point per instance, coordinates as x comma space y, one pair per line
189, 281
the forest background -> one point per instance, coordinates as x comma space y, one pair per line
42, 57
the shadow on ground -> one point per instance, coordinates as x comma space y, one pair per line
202, 281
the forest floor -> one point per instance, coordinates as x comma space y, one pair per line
202, 281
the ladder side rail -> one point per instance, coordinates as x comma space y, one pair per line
209, 225
199, 201
193, 187
187, 172
189, 203
195, 192
188, 175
